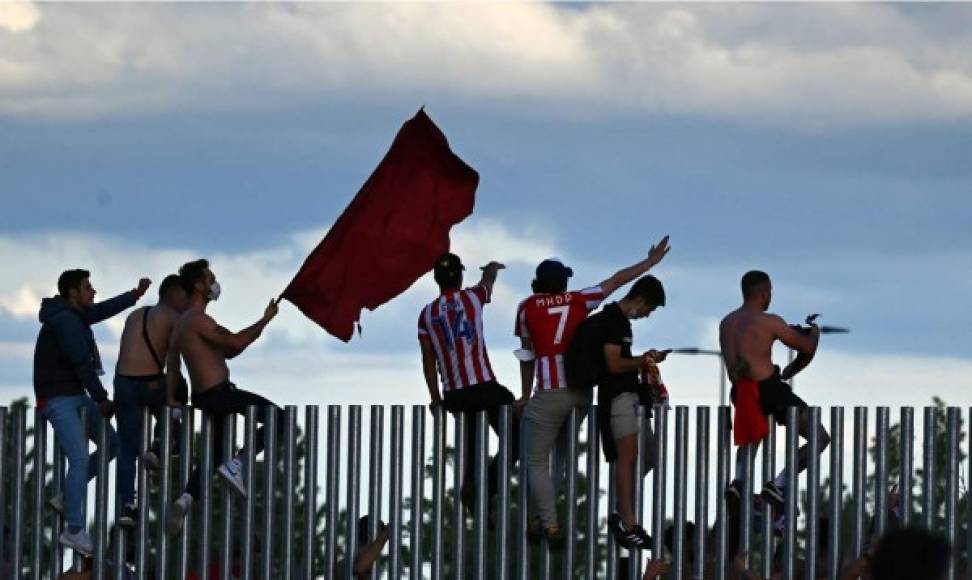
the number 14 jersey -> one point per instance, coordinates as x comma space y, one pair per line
549, 321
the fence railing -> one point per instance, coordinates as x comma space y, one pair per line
297, 521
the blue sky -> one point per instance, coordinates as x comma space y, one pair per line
827, 144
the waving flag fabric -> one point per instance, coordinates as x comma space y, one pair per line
391, 234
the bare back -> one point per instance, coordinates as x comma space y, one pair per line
746, 337
134, 357
205, 361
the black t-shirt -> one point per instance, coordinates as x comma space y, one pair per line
615, 328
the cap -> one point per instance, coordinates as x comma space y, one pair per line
553, 268
448, 264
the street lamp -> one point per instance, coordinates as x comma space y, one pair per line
722, 366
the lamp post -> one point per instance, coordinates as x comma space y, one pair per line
722, 366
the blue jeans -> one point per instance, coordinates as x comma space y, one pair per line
64, 414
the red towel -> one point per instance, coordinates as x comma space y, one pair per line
749, 424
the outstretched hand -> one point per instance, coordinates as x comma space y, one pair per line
143, 285
658, 251
271, 310
493, 266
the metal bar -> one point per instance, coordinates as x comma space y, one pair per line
374, 475
57, 489
479, 516
333, 487
19, 443
289, 485
658, 487
905, 481
860, 474
929, 480
183, 547
396, 460
101, 501
881, 472
249, 470
953, 418
3, 479
206, 497
701, 489
593, 499
813, 494
438, 488
836, 490
458, 517
746, 501
162, 538
226, 517
77, 559
354, 482
769, 472
790, 517
142, 500
40, 454
523, 548
417, 489
570, 515
612, 499
311, 438
722, 480
545, 560
681, 489
270, 418
503, 493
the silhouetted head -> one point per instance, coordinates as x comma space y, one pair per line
552, 276
198, 280
645, 295
172, 293
75, 287
757, 288
448, 271
911, 554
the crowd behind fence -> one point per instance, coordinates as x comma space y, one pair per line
295, 522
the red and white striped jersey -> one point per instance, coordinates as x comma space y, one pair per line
549, 321
453, 324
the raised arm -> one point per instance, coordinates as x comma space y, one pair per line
232, 344
622, 277
802, 343
490, 271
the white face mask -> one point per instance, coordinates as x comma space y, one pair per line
214, 291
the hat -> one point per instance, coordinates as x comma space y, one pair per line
448, 263
553, 269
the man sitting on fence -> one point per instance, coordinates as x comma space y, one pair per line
450, 332
140, 381
205, 346
67, 368
746, 337
545, 323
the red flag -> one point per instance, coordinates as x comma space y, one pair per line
392, 232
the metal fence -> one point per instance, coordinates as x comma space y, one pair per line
298, 522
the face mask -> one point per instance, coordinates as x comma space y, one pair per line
214, 291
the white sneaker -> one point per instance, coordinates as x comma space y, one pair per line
231, 472
79, 542
177, 514
56, 503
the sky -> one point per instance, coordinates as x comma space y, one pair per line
827, 144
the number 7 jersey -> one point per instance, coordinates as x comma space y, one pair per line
453, 324
549, 321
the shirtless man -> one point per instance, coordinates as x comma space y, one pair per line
140, 381
746, 337
205, 346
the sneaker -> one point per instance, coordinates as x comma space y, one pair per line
555, 537
733, 496
633, 538
774, 495
151, 460
177, 514
56, 503
231, 473
79, 541
128, 517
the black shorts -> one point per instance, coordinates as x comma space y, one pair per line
775, 396
488, 396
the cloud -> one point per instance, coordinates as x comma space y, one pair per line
18, 17
804, 66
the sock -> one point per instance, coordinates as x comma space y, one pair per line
780, 480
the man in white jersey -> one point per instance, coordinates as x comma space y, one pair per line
450, 332
545, 323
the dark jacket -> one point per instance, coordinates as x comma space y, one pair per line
66, 359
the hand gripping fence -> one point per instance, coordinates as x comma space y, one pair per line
305, 495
